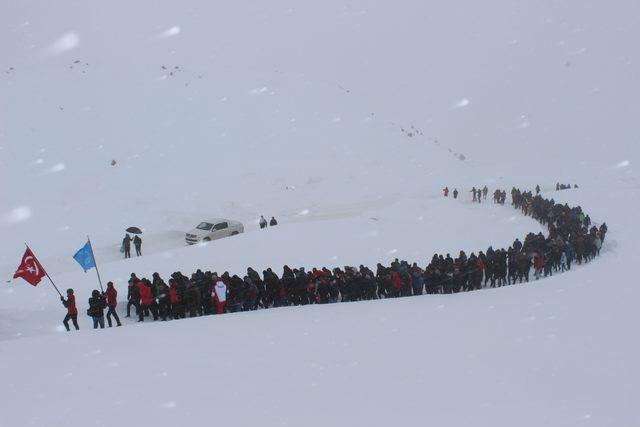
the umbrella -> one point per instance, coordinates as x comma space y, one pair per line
134, 230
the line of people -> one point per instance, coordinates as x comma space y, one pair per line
478, 194
572, 238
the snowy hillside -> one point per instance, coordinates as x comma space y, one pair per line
344, 119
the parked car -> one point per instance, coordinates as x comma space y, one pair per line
213, 229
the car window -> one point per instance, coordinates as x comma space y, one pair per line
221, 226
204, 226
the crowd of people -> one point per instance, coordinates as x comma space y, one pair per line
571, 239
565, 186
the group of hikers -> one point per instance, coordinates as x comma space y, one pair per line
565, 186
478, 194
572, 238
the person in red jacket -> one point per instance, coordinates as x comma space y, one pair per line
72, 311
177, 308
147, 301
112, 301
397, 284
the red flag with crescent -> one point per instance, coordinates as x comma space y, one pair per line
30, 269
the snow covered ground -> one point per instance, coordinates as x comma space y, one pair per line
344, 119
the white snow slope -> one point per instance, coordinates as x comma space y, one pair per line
344, 119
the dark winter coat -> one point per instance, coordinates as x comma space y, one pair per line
97, 304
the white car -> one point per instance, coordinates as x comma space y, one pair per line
213, 229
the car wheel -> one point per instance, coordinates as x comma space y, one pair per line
234, 233
206, 239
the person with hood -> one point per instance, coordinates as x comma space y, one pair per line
538, 265
164, 301
603, 231
263, 222
273, 221
97, 304
221, 296
455, 193
133, 295
301, 286
250, 294
137, 242
148, 302
72, 311
175, 298
126, 244
112, 301
397, 283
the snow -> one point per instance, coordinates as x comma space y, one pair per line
170, 32
18, 214
462, 103
303, 112
58, 167
69, 41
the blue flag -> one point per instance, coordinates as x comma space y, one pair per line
85, 257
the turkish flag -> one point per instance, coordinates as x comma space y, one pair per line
30, 269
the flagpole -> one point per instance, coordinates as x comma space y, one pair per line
45, 271
96, 264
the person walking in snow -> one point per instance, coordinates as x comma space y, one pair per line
72, 310
221, 296
137, 242
563, 261
537, 190
273, 221
474, 191
485, 191
148, 302
133, 296
97, 304
603, 231
445, 190
455, 193
112, 301
538, 265
263, 222
126, 245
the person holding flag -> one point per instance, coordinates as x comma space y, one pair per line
32, 272
72, 310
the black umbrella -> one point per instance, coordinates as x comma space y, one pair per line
134, 230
